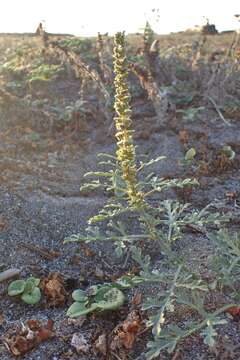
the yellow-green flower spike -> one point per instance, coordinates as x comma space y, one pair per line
125, 147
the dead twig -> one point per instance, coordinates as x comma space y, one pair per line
176, 355
9, 274
46, 254
218, 111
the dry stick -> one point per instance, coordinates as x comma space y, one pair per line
116, 355
8, 274
234, 44
159, 99
207, 96
85, 71
176, 355
107, 75
46, 254
81, 67
156, 67
197, 52
212, 79
218, 110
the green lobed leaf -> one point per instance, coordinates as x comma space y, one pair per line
16, 287
78, 309
31, 283
108, 298
33, 297
79, 295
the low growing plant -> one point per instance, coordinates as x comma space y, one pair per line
96, 298
180, 288
226, 262
28, 290
191, 113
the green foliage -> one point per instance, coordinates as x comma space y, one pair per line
190, 155
77, 45
182, 288
96, 298
191, 113
172, 334
26, 66
182, 93
28, 290
33, 136
44, 72
226, 262
231, 107
228, 151
76, 110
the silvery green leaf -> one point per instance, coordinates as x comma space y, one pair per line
190, 154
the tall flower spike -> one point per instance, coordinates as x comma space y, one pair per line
125, 147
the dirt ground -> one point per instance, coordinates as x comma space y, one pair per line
40, 205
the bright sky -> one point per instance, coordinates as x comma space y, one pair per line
87, 17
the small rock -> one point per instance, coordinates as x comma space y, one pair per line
80, 343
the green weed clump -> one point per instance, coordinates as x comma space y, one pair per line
28, 290
97, 298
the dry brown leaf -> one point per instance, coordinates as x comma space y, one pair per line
184, 136
29, 336
137, 298
2, 319
3, 223
87, 251
53, 289
101, 344
124, 335
234, 311
231, 195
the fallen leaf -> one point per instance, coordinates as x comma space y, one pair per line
53, 289
137, 298
101, 344
3, 223
234, 311
184, 136
29, 336
34, 324
87, 252
124, 335
127, 339
231, 195
43, 334
2, 319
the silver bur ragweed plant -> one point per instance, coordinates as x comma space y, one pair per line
127, 193
177, 286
